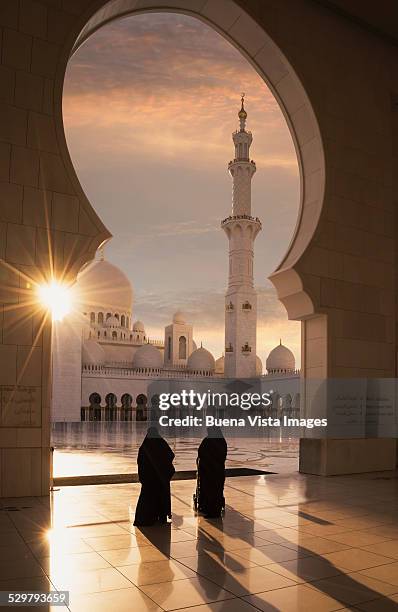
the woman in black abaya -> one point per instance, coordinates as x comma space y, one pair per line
155, 470
212, 453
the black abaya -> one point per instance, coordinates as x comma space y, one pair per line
155, 470
212, 453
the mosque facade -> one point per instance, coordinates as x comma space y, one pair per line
105, 365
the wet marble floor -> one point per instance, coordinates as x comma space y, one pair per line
81, 451
287, 542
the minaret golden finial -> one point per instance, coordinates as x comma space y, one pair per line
242, 113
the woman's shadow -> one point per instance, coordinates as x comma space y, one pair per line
333, 583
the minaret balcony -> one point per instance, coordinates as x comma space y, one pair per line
229, 348
232, 218
229, 307
246, 348
238, 160
246, 306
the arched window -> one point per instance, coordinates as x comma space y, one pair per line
110, 407
131, 336
92, 317
169, 348
126, 400
108, 314
182, 347
141, 407
95, 399
100, 318
104, 334
98, 334
126, 412
116, 316
123, 321
95, 407
155, 401
114, 335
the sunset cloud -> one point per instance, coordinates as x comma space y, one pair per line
186, 105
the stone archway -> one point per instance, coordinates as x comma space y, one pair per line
338, 274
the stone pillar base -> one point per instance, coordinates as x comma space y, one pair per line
332, 457
25, 471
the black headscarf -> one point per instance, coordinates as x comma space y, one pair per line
155, 458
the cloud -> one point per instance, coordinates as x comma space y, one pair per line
170, 86
181, 228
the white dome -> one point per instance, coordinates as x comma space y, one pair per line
201, 360
147, 356
220, 365
102, 285
259, 366
112, 322
280, 358
139, 327
92, 353
178, 318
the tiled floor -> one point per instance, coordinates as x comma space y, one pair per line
287, 542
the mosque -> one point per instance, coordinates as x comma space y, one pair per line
104, 364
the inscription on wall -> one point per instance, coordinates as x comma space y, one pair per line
20, 406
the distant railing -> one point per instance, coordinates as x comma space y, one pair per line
120, 372
131, 341
156, 343
286, 373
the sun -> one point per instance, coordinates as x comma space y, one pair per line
57, 298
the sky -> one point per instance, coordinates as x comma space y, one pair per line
150, 103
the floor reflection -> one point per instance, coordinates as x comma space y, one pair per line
287, 542
111, 448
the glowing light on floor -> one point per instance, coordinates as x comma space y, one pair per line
57, 298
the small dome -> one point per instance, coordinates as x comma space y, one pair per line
92, 353
280, 359
201, 360
103, 285
139, 327
179, 318
147, 356
112, 322
220, 364
259, 366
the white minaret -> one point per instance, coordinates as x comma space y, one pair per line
241, 229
